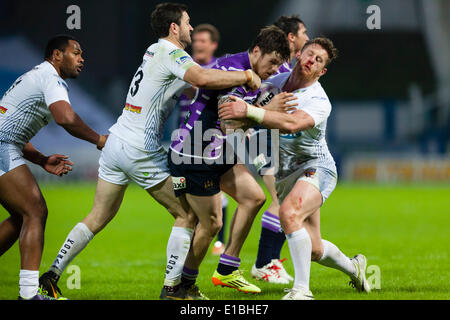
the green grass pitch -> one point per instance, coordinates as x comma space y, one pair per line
402, 230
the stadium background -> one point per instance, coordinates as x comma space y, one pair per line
389, 130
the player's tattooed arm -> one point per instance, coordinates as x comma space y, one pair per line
56, 164
225, 125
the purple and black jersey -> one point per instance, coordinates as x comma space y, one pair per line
285, 67
184, 102
200, 136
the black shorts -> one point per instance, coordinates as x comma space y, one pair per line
196, 179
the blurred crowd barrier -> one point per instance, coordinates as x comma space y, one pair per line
386, 168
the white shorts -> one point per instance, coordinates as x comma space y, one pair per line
323, 179
10, 157
120, 163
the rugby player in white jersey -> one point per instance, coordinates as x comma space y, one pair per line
29, 104
269, 265
307, 174
134, 151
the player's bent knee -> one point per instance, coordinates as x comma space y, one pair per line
215, 228
38, 212
257, 199
212, 226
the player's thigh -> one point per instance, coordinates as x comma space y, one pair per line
107, 201
239, 183
20, 193
301, 202
208, 210
163, 193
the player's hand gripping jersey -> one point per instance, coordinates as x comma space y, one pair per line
154, 91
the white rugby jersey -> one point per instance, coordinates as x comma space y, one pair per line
309, 145
24, 107
153, 93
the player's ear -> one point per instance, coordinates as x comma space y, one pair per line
256, 51
291, 37
174, 28
57, 55
324, 70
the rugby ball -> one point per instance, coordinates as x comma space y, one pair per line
266, 92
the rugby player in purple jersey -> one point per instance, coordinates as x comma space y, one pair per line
205, 41
200, 171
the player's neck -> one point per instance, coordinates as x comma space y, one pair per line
175, 41
57, 68
296, 82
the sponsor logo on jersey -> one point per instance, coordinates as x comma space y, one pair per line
310, 172
62, 83
291, 135
131, 108
3, 110
267, 99
179, 183
182, 60
149, 54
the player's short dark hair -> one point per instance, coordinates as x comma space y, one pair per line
325, 43
289, 24
59, 42
272, 39
163, 16
206, 27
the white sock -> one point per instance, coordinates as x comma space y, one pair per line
76, 241
28, 283
177, 250
333, 257
300, 248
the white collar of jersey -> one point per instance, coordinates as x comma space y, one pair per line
50, 66
301, 90
167, 42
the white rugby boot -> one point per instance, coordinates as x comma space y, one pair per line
298, 293
278, 263
360, 282
268, 273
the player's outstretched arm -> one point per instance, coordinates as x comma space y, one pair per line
56, 164
219, 79
287, 123
67, 118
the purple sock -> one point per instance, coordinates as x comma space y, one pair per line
228, 264
189, 276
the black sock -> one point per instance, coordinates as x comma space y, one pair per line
280, 238
266, 247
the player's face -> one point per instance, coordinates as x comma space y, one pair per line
300, 38
312, 61
72, 62
185, 30
267, 64
203, 47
